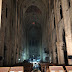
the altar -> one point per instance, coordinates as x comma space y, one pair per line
35, 64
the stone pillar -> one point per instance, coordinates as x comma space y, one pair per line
15, 37
60, 52
1, 47
50, 58
57, 19
54, 54
2, 34
67, 24
0, 11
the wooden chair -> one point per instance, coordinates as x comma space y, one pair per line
17, 69
44, 67
56, 69
69, 68
28, 67
4, 69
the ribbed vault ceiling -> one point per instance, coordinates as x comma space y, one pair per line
30, 11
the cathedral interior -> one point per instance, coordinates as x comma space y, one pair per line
35, 31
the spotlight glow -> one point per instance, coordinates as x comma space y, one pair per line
19, 59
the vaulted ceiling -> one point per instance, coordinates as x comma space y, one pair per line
32, 11
32, 15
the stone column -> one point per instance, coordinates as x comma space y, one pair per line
54, 54
67, 24
0, 11
1, 47
56, 13
2, 34
15, 37
50, 56
60, 52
